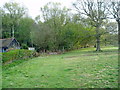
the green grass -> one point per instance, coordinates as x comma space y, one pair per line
0, 70
82, 68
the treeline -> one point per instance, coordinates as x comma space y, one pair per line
57, 29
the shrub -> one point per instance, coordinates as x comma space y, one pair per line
17, 55
24, 46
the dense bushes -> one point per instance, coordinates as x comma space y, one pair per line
17, 55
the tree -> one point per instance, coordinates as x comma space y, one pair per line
60, 30
55, 19
42, 37
1, 13
12, 14
95, 11
23, 31
114, 10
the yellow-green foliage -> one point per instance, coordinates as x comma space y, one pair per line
16, 55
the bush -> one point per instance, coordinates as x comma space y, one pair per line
24, 46
17, 55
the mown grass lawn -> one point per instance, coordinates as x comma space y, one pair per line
82, 68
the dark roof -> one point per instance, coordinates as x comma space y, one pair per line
6, 42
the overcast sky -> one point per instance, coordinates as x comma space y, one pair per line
35, 5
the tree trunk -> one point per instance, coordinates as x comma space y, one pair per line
98, 43
97, 39
105, 42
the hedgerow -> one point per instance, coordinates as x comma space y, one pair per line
17, 54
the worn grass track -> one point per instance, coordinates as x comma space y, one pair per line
82, 68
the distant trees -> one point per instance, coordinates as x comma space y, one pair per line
1, 22
60, 31
15, 23
42, 37
51, 30
23, 31
12, 12
57, 29
111, 27
114, 10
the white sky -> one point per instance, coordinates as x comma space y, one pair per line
35, 5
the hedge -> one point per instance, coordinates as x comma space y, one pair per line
17, 54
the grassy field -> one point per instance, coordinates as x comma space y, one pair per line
82, 68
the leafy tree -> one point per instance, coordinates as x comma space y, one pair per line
95, 11
60, 30
42, 37
11, 16
23, 31
55, 18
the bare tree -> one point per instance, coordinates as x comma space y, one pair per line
95, 10
114, 10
